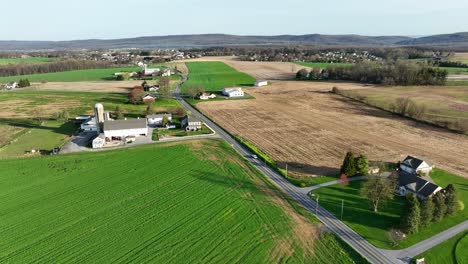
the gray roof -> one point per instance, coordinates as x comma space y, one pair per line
125, 124
191, 119
416, 184
412, 162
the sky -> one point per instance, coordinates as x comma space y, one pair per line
110, 19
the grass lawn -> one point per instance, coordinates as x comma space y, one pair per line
455, 70
359, 216
4, 61
322, 65
196, 202
214, 76
21, 109
179, 132
451, 251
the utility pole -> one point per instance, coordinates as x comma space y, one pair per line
342, 204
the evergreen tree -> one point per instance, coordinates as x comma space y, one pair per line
24, 83
451, 200
427, 211
411, 219
362, 165
439, 207
349, 165
165, 120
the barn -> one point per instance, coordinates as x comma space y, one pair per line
233, 92
121, 129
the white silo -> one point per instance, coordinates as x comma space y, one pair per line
99, 114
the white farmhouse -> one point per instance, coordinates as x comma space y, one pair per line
156, 120
260, 83
11, 85
121, 129
233, 92
415, 166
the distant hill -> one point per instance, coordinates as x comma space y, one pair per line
455, 39
204, 40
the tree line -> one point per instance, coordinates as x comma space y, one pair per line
58, 66
388, 73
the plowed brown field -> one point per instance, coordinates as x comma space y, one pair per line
303, 125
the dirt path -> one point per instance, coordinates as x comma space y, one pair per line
301, 124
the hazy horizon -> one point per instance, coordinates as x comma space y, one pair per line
54, 20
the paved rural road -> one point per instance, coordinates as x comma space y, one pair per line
367, 250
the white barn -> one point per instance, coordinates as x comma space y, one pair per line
120, 129
260, 83
233, 92
415, 166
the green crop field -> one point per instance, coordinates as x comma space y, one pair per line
358, 213
4, 61
72, 76
452, 251
196, 202
214, 76
455, 70
322, 65
26, 118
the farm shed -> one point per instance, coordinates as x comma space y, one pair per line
156, 120
260, 83
120, 129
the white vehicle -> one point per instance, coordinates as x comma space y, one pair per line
254, 156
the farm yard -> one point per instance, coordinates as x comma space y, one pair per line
358, 213
305, 126
27, 117
445, 105
214, 76
202, 204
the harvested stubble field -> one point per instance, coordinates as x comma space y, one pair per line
202, 204
447, 106
310, 129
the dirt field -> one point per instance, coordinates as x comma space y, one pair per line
260, 70
112, 87
301, 124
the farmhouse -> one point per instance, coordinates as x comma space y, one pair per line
120, 129
260, 83
233, 92
416, 166
156, 120
189, 123
411, 183
206, 96
148, 98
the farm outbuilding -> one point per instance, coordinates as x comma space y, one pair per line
156, 120
260, 83
99, 141
120, 129
233, 92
